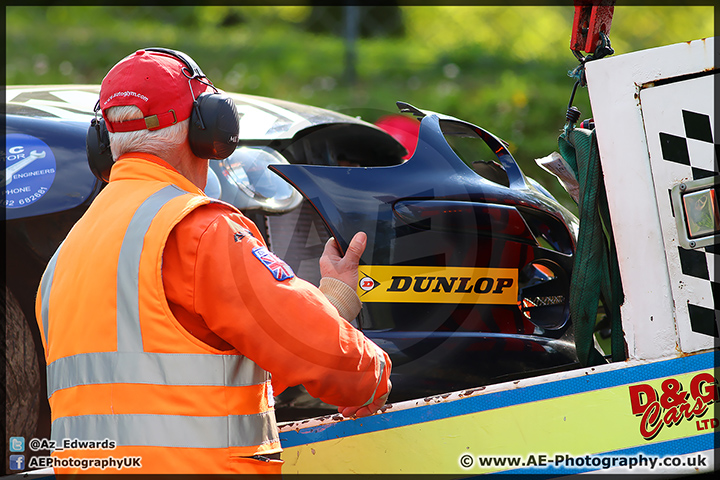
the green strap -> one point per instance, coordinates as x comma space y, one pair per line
596, 275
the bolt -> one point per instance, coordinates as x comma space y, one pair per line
692, 244
683, 187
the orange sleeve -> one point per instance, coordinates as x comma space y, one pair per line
253, 301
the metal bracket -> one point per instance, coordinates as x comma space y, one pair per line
697, 212
591, 18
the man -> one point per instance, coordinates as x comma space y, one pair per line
163, 313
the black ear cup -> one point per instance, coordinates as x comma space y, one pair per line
214, 123
214, 126
97, 145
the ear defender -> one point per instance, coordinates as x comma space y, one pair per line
214, 126
97, 145
214, 123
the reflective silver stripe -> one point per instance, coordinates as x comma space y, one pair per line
381, 356
129, 337
130, 364
153, 368
251, 430
170, 430
45, 286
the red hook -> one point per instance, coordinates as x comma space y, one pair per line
591, 18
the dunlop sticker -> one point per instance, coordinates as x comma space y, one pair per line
389, 283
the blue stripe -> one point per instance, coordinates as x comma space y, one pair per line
506, 398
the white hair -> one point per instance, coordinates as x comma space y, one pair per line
160, 142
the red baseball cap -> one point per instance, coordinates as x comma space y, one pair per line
155, 83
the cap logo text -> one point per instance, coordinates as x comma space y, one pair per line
127, 94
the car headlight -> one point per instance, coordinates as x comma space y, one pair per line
247, 169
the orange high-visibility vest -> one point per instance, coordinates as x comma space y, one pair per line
119, 365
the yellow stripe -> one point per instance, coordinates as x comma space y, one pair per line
578, 424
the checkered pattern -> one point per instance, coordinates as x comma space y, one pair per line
696, 148
694, 155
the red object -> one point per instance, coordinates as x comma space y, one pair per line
591, 18
404, 129
153, 82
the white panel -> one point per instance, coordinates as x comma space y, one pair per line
680, 115
614, 85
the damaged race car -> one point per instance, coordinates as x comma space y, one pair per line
466, 273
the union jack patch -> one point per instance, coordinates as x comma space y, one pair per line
280, 270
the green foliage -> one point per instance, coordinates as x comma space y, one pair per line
503, 68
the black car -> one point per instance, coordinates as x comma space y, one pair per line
464, 280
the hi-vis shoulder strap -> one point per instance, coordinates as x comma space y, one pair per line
131, 364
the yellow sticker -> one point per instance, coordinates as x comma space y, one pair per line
390, 283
